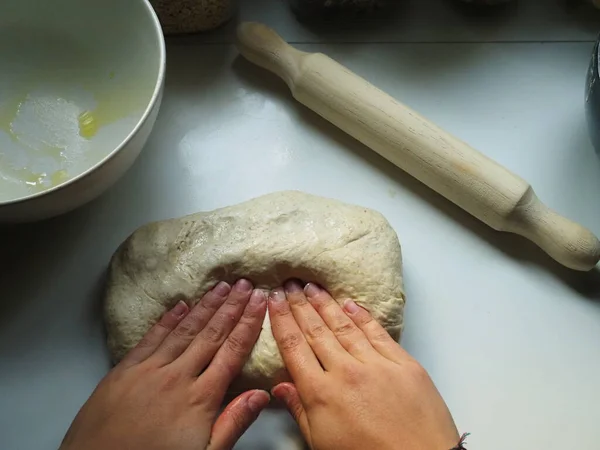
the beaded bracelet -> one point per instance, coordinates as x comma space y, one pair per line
461, 443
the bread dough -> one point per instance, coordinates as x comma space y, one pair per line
350, 250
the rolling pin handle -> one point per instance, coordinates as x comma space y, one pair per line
567, 242
265, 48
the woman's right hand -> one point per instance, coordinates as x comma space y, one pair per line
353, 386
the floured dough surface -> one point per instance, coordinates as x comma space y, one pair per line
350, 250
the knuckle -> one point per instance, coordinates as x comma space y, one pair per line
381, 336
354, 375
226, 318
237, 345
210, 302
118, 373
298, 300
185, 330
317, 397
282, 312
197, 316
316, 331
214, 334
161, 328
227, 368
166, 322
344, 329
354, 347
417, 371
326, 306
146, 341
290, 341
251, 315
235, 300
170, 380
203, 397
296, 411
238, 419
364, 319
201, 309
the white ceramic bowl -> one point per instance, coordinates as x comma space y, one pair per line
80, 87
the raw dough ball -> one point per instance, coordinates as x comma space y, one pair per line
350, 250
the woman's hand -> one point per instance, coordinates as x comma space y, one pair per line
353, 386
166, 393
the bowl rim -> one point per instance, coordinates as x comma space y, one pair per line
156, 94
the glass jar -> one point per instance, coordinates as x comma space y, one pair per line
192, 16
307, 8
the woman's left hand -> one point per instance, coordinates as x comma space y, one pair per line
166, 393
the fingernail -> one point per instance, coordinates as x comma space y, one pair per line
258, 401
312, 289
222, 289
293, 286
277, 295
281, 391
243, 285
351, 307
258, 297
180, 308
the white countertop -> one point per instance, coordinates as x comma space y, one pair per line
511, 338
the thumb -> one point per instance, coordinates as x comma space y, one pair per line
288, 394
236, 418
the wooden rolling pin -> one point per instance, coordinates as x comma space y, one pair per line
447, 165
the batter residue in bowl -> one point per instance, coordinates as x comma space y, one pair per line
49, 136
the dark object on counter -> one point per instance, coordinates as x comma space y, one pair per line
592, 99
310, 8
192, 16
485, 2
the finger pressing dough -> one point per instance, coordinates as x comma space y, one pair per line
350, 250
